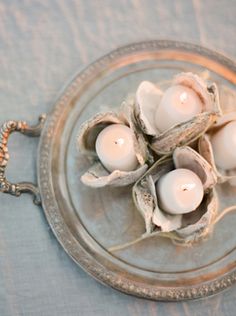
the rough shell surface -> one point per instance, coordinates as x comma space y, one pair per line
144, 192
97, 175
126, 113
182, 134
185, 228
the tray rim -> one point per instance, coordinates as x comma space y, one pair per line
51, 209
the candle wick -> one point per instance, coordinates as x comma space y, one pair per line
188, 187
119, 141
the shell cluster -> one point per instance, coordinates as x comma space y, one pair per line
184, 145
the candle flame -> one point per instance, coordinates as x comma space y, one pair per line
183, 97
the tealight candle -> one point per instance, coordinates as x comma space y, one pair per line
179, 191
178, 104
115, 148
224, 146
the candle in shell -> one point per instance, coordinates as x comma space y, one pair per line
224, 146
115, 148
179, 191
178, 104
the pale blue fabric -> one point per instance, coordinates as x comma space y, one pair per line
42, 44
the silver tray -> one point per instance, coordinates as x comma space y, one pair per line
86, 221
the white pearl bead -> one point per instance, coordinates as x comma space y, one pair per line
115, 148
179, 191
224, 146
178, 104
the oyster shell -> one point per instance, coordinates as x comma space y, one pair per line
148, 97
227, 98
97, 175
206, 151
188, 158
184, 228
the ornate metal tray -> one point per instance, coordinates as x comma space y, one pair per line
87, 222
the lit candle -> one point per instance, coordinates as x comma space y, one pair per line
178, 104
115, 148
179, 191
224, 146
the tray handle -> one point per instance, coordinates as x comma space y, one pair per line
7, 128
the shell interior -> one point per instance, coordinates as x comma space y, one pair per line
186, 157
147, 99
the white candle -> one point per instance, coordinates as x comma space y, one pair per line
224, 146
115, 148
179, 191
178, 104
